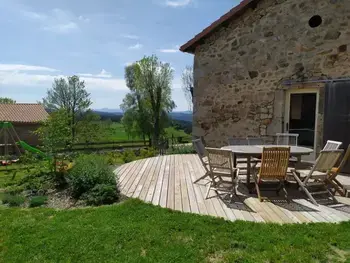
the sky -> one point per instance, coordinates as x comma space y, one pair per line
95, 39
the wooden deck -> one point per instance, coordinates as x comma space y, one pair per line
167, 181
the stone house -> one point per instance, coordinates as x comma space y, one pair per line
25, 118
271, 66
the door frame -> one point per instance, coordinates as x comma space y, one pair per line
291, 91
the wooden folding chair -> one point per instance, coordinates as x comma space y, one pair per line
318, 174
203, 157
332, 180
287, 139
273, 168
332, 145
221, 166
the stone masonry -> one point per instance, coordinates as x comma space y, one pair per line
239, 70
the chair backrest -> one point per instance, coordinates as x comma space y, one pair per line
287, 139
237, 141
332, 145
344, 160
274, 163
255, 140
199, 148
327, 160
220, 159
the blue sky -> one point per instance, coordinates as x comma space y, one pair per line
41, 40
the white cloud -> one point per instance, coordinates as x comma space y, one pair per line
177, 3
128, 64
136, 46
56, 21
130, 36
170, 50
102, 74
20, 67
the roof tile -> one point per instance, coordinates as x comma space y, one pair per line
23, 112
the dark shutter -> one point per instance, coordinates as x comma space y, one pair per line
337, 114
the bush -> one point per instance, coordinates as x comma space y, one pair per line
13, 200
146, 153
113, 158
181, 149
102, 194
128, 156
36, 201
89, 171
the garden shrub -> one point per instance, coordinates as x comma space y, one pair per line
102, 194
38, 200
89, 171
146, 153
113, 158
128, 156
13, 200
181, 149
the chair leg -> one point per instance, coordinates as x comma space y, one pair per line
201, 178
208, 190
303, 187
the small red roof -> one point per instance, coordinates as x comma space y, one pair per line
238, 10
23, 112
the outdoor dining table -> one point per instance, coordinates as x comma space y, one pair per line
255, 151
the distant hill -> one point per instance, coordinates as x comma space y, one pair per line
116, 114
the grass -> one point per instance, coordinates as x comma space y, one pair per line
137, 232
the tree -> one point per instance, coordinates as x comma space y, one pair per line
137, 117
90, 127
187, 85
69, 95
5, 100
153, 82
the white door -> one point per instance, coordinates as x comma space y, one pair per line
301, 117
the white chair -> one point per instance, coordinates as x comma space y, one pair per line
287, 139
203, 157
318, 175
221, 166
332, 145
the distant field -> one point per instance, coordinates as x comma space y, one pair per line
118, 133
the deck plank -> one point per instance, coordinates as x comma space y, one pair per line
154, 195
184, 193
168, 181
144, 181
189, 185
164, 190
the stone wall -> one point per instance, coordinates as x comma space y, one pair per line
239, 70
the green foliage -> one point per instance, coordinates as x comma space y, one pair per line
113, 158
55, 133
188, 84
128, 156
4, 100
89, 171
13, 199
146, 153
71, 96
102, 194
147, 105
181, 149
28, 158
38, 200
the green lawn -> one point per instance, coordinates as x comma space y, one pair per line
138, 232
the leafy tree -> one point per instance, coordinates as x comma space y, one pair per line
69, 95
90, 128
153, 78
149, 81
187, 85
4, 100
137, 117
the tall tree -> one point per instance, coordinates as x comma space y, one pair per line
4, 100
68, 94
187, 85
153, 80
137, 118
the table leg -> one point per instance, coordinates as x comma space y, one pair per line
235, 163
248, 171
